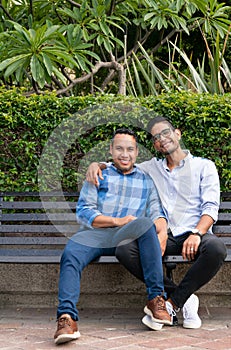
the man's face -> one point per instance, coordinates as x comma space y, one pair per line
124, 152
165, 139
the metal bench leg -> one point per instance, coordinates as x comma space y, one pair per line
169, 270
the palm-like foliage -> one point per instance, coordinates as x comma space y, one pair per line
94, 23
215, 17
57, 44
42, 53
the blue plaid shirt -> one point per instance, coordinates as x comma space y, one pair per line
119, 195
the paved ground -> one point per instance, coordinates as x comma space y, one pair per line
33, 329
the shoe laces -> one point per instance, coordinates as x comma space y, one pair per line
63, 321
170, 309
160, 303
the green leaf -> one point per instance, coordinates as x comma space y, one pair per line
47, 62
35, 68
105, 29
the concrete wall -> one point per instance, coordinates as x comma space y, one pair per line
107, 285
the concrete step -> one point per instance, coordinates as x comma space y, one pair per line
107, 285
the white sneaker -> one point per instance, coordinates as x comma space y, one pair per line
190, 313
147, 320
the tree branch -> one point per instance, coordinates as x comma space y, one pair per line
109, 65
74, 3
108, 79
6, 12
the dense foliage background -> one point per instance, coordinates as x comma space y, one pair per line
27, 126
141, 47
168, 57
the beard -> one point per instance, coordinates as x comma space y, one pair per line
167, 152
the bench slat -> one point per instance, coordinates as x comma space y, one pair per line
225, 205
37, 205
225, 230
68, 229
39, 194
38, 217
53, 256
73, 229
43, 256
179, 259
223, 217
65, 216
33, 241
30, 259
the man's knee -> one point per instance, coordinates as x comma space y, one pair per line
127, 251
128, 256
215, 247
145, 227
73, 254
120, 252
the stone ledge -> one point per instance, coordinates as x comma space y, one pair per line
107, 285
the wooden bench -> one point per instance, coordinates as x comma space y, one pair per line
30, 234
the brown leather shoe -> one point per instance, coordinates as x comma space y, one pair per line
156, 308
67, 329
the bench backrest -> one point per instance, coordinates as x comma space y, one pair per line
36, 231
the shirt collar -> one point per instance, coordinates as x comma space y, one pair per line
134, 170
182, 162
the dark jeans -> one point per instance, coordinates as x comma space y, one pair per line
209, 259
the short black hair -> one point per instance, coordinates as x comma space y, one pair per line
159, 119
125, 131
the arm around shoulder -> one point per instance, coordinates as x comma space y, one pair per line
94, 170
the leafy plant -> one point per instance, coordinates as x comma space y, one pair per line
92, 42
26, 125
198, 79
40, 54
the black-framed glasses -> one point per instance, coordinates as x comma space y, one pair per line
165, 133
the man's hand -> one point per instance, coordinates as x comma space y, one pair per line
109, 221
163, 236
161, 230
93, 172
190, 247
125, 220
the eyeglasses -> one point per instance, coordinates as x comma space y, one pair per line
165, 133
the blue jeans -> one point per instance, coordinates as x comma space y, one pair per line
77, 256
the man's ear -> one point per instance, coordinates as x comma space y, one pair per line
178, 133
110, 151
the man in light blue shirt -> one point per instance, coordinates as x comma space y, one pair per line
189, 190
124, 207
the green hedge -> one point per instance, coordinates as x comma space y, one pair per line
59, 137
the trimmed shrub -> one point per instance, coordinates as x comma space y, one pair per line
72, 132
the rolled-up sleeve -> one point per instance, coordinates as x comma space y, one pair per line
86, 209
210, 190
154, 206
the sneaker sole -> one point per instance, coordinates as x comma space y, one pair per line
149, 313
64, 338
191, 325
147, 321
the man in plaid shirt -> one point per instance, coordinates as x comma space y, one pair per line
124, 207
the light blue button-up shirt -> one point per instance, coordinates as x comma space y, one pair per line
189, 191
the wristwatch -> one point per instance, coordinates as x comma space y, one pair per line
195, 231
